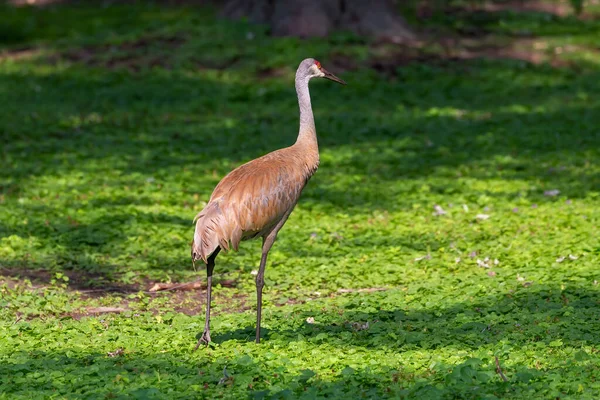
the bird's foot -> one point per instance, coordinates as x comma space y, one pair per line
204, 339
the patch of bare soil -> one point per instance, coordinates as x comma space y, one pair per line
208, 64
386, 58
561, 9
36, 3
103, 3
20, 54
78, 280
187, 297
189, 303
134, 55
185, 302
93, 284
472, 41
530, 50
137, 55
267, 73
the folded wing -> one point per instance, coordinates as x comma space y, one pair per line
250, 201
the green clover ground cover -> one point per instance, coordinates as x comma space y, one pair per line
453, 221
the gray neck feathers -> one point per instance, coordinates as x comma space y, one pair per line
307, 131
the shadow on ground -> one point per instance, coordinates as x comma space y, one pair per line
546, 316
539, 313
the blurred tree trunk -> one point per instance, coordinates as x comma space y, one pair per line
308, 18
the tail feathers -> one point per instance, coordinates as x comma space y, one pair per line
213, 231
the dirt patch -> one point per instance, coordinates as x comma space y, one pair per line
146, 52
222, 64
533, 51
78, 280
560, 9
387, 58
185, 302
95, 285
103, 3
472, 39
193, 303
35, 3
267, 73
20, 54
187, 298
135, 56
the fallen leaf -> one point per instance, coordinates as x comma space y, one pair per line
439, 210
357, 326
116, 353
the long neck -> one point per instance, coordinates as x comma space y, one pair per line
307, 133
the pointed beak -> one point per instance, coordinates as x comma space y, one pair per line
331, 77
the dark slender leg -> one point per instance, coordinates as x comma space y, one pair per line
260, 279
210, 265
268, 241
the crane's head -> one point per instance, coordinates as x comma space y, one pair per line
311, 68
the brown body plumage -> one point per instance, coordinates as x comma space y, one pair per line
255, 199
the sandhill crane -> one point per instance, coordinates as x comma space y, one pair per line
255, 199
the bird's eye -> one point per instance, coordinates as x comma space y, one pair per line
318, 64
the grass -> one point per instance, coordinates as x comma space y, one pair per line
450, 233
